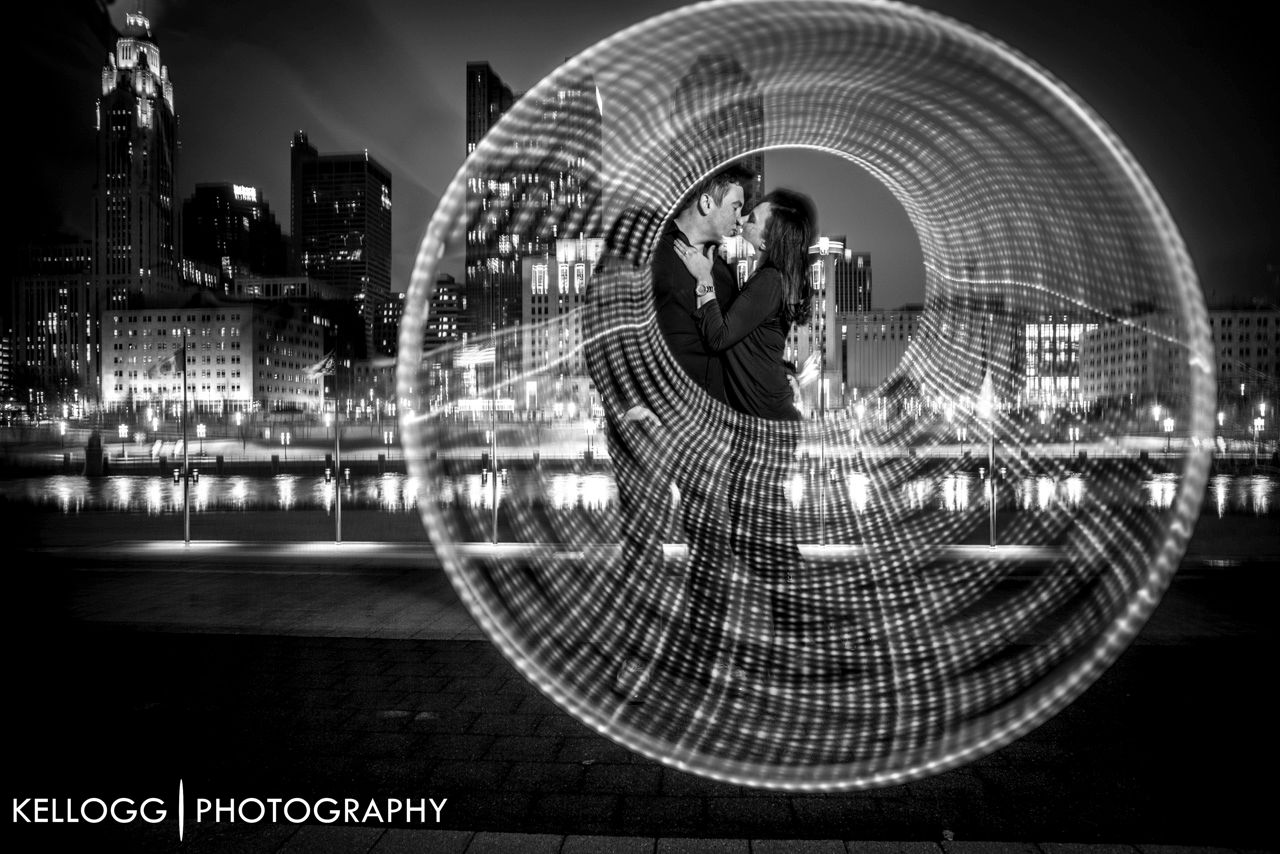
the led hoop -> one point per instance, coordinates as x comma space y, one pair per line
1026, 207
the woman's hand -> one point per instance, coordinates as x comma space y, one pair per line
698, 263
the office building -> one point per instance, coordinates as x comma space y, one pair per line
232, 229
52, 314
240, 357
136, 251
340, 216
529, 194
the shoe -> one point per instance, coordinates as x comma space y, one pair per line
632, 679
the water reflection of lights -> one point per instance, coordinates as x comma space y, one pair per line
123, 487
1225, 493
478, 490
286, 486
65, 495
1221, 488
590, 491
388, 492
1075, 490
1163, 489
155, 497
795, 490
239, 492
201, 499
919, 493
955, 492
1260, 490
858, 483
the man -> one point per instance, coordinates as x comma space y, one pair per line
650, 456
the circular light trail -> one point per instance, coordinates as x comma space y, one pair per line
922, 629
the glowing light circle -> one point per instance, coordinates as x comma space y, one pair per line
911, 642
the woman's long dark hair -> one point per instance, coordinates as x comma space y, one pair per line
793, 223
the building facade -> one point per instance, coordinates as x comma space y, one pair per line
239, 357
551, 359
52, 314
232, 229
1246, 346
528, 197
136, 248
340, 217
875, 343
1052, 361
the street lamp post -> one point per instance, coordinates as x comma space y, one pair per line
964, 437
1257, 431
1168, 434
200, 433
285, 438
123, 432
1075, 437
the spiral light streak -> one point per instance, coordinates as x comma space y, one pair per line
901, 645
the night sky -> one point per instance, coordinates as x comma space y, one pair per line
1184, 89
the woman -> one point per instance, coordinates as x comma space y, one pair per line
752, 335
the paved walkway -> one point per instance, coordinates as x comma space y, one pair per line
304, 670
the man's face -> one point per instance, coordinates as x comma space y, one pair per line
723, 218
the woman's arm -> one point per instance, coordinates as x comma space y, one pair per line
758, 301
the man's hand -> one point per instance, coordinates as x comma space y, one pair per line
641, 415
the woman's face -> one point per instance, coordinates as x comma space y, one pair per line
757, 224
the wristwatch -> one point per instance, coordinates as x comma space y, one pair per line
705, 288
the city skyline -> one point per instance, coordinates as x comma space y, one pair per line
1177, 87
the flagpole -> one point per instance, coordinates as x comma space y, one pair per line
493, 423
186, 464
337, 461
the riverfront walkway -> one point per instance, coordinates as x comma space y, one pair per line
248, 669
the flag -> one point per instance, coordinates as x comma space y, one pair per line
167, 365
325, 367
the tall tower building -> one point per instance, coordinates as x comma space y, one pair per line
853, 280
231, 228
555, 189
136, 251
340, 212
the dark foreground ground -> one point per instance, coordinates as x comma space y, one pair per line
1175, 745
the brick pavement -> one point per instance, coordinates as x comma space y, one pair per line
1155, 757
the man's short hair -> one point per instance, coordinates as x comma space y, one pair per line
719, 182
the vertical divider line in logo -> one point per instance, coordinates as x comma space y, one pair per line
181, 814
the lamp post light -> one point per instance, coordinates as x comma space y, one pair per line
1168, 434
200, 433
62, 433
1075, 437
123, 432
963, 434
1258, 424
388, 438
285, 439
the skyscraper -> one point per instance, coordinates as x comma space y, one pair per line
853, 280
135, 226
340, 216
528, 195
230, 227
